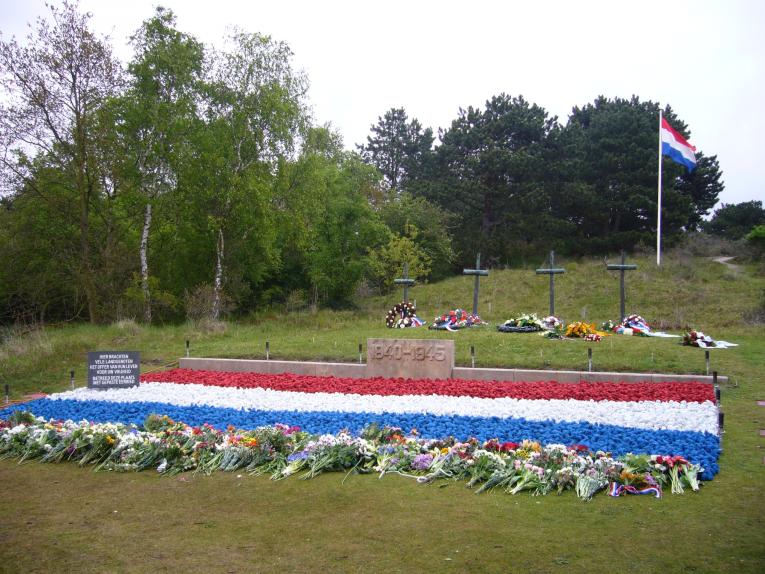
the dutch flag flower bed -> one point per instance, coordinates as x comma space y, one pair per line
632, 435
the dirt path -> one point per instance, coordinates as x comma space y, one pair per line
726, 261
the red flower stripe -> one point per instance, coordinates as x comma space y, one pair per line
689, 392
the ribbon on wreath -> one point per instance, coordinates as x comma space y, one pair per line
616, 489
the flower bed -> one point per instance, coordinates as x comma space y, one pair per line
620, 418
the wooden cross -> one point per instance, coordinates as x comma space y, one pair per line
406, 282
551, 271
478, 272
621, 267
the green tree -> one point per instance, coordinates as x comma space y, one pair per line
433, 228
37, 258
398, 148
491, 163
734, 220
157, 113
53, 89
617, 155
253, 113
756, 238
701, 187
345, 234
387, 261
327, 227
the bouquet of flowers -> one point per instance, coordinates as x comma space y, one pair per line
456, 319
633, 325
699, 339
526, 323
582, 330
402, 316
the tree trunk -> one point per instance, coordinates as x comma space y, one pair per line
314, 298
218, 277
487, 218
145, 265
88, 282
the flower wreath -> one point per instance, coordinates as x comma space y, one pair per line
402, 316
526, 323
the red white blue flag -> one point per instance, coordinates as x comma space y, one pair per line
676, 146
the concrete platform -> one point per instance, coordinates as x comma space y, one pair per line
358, 371
350, 370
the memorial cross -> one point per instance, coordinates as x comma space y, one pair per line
406, 282
478, 272
551, 271
621, 267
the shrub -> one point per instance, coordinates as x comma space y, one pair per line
199, 303
756, 239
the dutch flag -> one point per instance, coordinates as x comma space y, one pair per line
676, 146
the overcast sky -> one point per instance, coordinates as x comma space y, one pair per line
706, 59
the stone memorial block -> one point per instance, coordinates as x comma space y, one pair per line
113, 369
410, 358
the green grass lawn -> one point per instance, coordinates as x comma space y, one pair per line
65, 518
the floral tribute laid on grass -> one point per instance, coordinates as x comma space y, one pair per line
576, 330
699, 339
668, 419
634, 325
402, 316
280, 451
529, 323
456, 319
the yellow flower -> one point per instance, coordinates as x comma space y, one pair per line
444, 450
531, 445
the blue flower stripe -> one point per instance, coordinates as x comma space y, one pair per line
699, 447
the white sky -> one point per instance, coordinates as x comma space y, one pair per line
705, 58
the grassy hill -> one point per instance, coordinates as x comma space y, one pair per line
230, 523
683, 293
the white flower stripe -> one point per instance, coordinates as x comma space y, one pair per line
653, 415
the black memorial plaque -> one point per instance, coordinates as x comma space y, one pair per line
113, 369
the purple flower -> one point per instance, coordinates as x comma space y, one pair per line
422, 461
302, 455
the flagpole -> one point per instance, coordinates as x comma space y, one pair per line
658, 205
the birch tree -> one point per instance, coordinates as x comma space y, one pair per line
159, 109
254, 113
